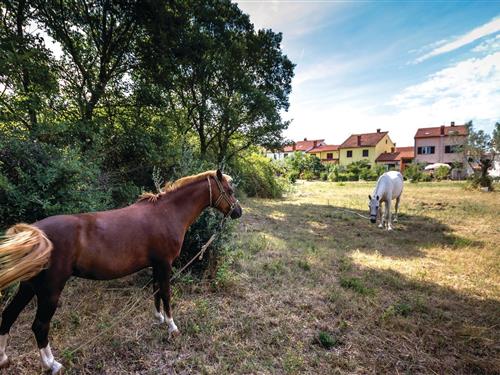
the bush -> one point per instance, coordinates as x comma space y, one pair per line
304, 165
257, 176
38, 180
413, 172
441, 173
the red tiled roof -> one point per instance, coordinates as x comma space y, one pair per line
365, 140
304, 145
400, 152
406, 152
436, 131
325, 148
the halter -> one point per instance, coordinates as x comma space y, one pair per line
222, 195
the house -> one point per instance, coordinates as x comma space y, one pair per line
441, 144
364, 147
327, 153
397, 159
301, 146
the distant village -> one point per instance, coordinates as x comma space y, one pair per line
441, 144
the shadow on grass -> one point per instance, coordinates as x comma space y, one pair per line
413, 326
298, 224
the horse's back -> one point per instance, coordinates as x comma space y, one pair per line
397, 182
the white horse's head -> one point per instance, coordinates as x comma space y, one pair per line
374, 205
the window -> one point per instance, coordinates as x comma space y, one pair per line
365, 153
425, 150
349, 154
451, 149
329, 156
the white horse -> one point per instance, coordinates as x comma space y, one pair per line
389, 187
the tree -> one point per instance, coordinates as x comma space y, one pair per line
27, 79
481, 148
226, 82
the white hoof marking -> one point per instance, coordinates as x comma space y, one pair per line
172, 328
160, 319
4, 360
48, 361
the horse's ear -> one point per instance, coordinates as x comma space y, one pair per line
369, 197
219, 175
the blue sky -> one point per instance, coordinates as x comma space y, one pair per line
394, 65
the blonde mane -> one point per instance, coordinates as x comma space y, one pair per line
183, 181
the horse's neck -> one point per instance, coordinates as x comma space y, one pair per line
189, 201
381, 189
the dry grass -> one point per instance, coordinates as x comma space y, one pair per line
310, 289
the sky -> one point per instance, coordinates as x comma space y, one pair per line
393, 65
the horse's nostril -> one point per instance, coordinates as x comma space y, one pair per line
373, 220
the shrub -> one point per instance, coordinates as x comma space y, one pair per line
413, 172
39, 180
257, 176
304, 165
441, 173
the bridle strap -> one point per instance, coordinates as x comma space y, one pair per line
222, 195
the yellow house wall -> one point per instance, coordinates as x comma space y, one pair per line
373, 152
322, 154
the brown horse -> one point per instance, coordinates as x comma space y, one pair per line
103, 246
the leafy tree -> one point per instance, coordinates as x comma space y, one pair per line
227, 83
481, 148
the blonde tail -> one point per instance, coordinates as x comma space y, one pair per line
24, 252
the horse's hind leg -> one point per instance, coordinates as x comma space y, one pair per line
388, 214
47, 305
396, 207
9, 316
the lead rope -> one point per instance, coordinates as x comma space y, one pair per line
128, 310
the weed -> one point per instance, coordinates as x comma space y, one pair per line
326, 340
355, 284
304, 264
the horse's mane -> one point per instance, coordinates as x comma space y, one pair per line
183, 181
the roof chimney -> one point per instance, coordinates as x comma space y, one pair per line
442, 129
294, 146
305, 139
315, 143
453, 123
378, 130
359, 140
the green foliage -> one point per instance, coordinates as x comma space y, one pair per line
413, 172
39, 180
441, 173
302, 165
257, 176
326, 340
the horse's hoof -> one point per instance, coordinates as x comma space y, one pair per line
5, 363
174, 333
389, 229
56, 368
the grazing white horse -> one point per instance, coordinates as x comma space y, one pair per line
389, 187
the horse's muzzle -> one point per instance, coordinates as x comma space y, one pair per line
373, 219
237, 212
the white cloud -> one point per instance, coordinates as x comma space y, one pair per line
489, 45
479, 32
468, 90
289, 17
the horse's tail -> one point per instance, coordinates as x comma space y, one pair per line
24, 252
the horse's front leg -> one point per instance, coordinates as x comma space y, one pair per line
380, 215
158, 313
164, 274
388, 214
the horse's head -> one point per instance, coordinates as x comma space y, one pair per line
223, 198
374, 205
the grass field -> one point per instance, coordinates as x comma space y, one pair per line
309, 289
